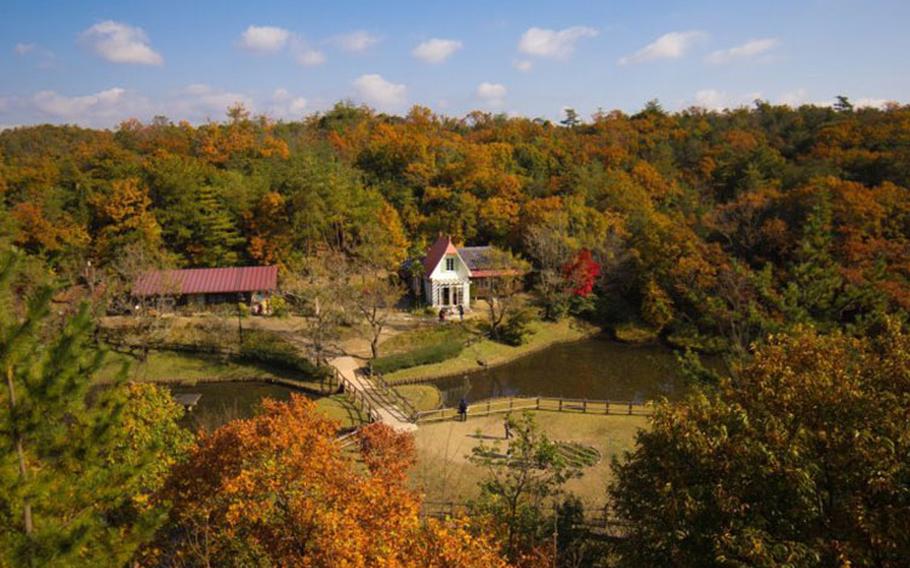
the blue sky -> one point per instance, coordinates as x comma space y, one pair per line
96, 63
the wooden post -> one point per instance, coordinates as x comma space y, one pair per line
606, 407
630, 408
584, 406
510, 402
560, 404
538, 403
488, 406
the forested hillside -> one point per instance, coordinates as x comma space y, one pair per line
707, 225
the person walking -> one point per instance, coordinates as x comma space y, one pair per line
463, 409
461, 312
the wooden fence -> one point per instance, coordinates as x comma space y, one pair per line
512, 404
597, 520
404, 405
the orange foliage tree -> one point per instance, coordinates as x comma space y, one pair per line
278, 490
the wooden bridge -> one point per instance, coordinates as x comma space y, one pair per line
375, 398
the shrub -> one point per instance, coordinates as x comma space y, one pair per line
270, 349
279, 306
517, 328
423, 356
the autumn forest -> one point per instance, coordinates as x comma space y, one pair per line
772, 238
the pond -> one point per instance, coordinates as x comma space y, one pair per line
225, 401
594, 368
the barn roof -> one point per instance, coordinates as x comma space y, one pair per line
207, 281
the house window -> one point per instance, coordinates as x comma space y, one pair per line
450, 264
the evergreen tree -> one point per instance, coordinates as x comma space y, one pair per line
216, 238
73, 473
815, 282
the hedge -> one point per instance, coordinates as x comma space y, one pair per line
422, 356
270, 349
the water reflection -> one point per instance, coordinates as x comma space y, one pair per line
596, 368
222, 402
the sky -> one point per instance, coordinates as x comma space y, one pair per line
98, 63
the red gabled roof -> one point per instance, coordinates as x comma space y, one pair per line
435, 253
207, 281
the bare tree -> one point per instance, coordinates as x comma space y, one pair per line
374, 294
316, 291
551, 247
148, 327
502, 295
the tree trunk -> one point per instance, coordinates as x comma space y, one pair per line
20, 452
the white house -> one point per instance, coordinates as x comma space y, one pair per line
450, 273
446, 278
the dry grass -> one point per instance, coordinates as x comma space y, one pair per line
444, 473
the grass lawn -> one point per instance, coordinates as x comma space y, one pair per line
423, 397
493, 353
338, 407
443, 472
426, 335
177, 367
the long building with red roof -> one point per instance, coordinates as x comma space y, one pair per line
200, 286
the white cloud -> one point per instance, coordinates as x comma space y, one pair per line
523, 65
264, 39
672, 45
870, 102
749, 49
436, 50
23, 48
52, 103
120, 43
376, 90
795, 98
551, 43
491, 93
285, 105
310, 57
355, 42
712, 99
199, 101
102, 109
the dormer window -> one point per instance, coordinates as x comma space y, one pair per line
450, 264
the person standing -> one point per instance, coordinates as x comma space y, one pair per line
461, 312
463, 409
507, 424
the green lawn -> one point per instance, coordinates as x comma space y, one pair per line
443, 472
339, 407
493, 353
172, 366
423, 397
427, 335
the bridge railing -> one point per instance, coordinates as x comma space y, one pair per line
363, 402
559, 404
396, 398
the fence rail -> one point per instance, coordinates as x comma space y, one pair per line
390, 391
558, 404
363, 402
596, 520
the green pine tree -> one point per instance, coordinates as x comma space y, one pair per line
215, 235
73, 483
813, 293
